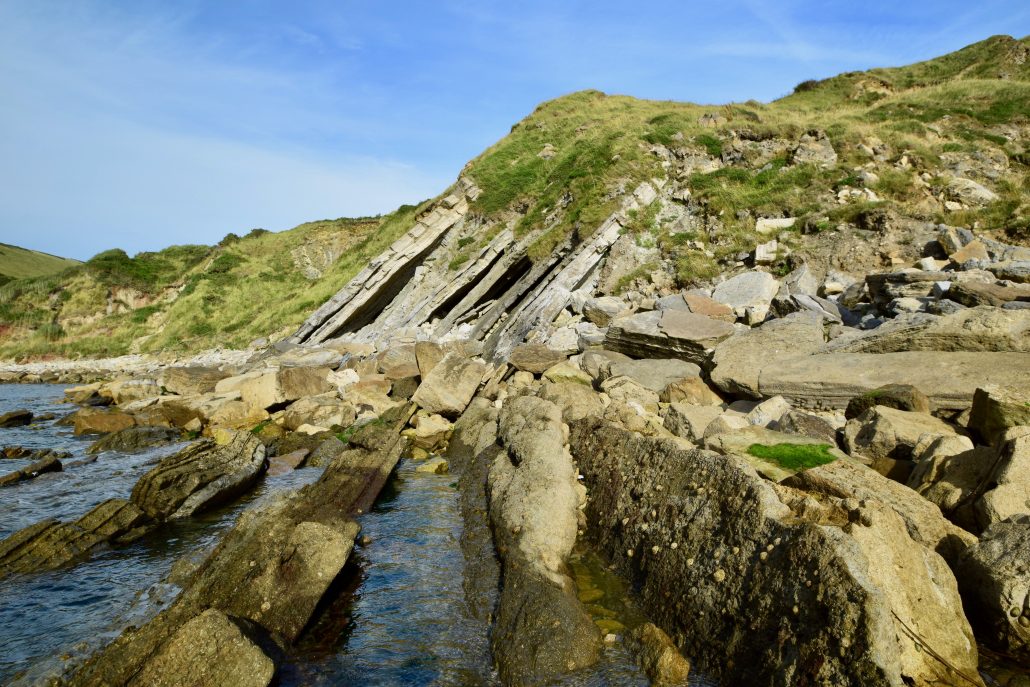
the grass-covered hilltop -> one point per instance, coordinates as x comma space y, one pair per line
20, 263
851, 159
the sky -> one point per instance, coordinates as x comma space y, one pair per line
142, 124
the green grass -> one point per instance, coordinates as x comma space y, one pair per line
21, 263
794, 456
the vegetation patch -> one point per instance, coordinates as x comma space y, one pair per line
794, 456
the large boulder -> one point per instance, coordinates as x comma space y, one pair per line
842, 583
690, 421
996, 410
601, 311
1007, 492
200, 476
450, 386
276, 388
208, 651
994, 579
542, 630
324, 410
883, 432
830, 380
129, 390
668, 334
898, 396
535, 358
740, 359
971, 329
656, 374
16, 418
926, 525
749, 294
99, 421
973, 294
190, 381
576, 401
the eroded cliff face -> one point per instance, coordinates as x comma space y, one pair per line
424, 287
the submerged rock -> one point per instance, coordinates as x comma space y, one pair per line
273, 568
134, 439
50, 544
16, 418
50, 463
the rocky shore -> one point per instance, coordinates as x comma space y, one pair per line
809, 479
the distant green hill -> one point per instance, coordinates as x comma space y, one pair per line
21, 263
187, 298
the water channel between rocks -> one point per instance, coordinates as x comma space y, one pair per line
397, 616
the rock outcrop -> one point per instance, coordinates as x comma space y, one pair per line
542, 631
200, 476
271, 570
838, 590
994, 579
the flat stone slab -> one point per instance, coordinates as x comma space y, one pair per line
829, 380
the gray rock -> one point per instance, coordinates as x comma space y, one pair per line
806, 425
190, 381
740, 359
450, 386
732, 542
655, 374
668, 334
601, 311
749, 294
814, 148
830, 380
535, 358
542, 631
994, 580
883, 432
200, 476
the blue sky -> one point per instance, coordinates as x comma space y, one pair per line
142, 124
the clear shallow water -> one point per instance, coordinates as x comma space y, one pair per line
400, 616
74, 609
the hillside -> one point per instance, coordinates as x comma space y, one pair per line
22, 263
853, 160
189, 297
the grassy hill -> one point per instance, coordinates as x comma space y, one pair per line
186, 298
972, 102
22, 263
900, 136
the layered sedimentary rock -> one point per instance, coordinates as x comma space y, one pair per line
271, 570
833, 591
